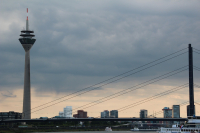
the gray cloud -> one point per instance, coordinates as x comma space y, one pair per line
82, 43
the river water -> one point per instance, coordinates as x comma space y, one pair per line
103, 132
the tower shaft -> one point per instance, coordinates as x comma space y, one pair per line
191, 87
27, 88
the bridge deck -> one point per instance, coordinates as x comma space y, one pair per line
95, 119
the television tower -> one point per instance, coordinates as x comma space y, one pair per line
27, 42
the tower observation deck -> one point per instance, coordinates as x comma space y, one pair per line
27, 42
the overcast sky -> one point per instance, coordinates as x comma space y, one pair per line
82, 43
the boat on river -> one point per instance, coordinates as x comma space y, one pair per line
135, 129
192, 126
108, 129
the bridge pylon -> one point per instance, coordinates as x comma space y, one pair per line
190, 108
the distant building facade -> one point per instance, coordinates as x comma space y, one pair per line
61, 114
105, 114
176, 111
167, 112
143, 113
80, 114
102, 114
68, 111
58, 117
10, 115
114, 114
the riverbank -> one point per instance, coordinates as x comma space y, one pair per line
57, 129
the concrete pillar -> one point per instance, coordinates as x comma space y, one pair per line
27, 88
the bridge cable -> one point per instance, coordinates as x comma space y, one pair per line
112, 96
117, 76
196, 49
120, 75
196, 68
180, 104
198, 86
134, 86
152, 97
159, 112
196, 52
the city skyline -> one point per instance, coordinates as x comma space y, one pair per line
83, 43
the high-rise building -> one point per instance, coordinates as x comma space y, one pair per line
114, 114
80, 114
105, 114
27, 42
68, 111
61, 114
176, 111
167, 112
188, 110
102, 114
143, 113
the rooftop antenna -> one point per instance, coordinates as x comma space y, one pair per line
27, 26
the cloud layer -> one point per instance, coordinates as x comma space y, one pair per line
81, 43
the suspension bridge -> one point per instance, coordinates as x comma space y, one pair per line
161, 60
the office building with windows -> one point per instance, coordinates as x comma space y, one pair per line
143, 113
80, 114
105, 114
114, 114
167, 112
176, 111
68, 111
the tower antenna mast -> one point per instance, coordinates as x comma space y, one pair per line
27, 26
